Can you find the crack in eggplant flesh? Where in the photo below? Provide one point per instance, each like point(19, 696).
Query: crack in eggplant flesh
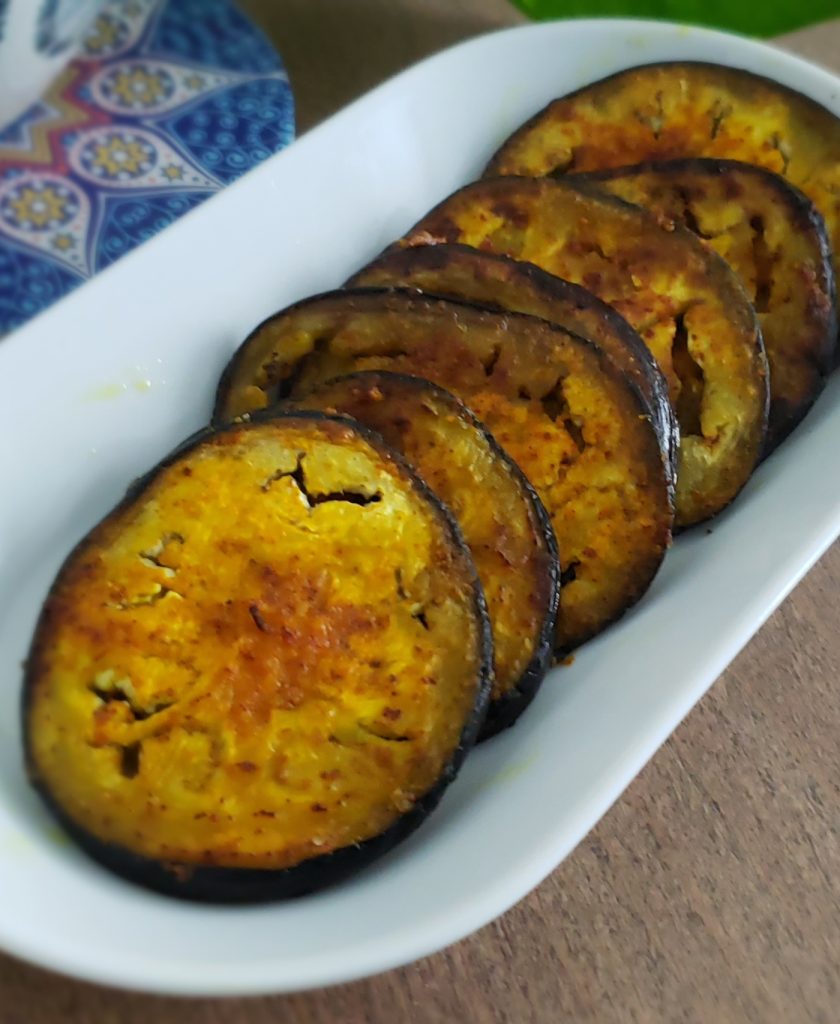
point(655, 122)
point(718, 114)
point(690, 399)
point(312, 499)
point(276, 386)
point(490, 364)
point(556, 407)
point(420, 616)
point(569, 574)
point(688, 216)
point(143, 600)
point(151, 557)
point(371, 731)
point(130, 760)
point(763, 261)
point(119, 693)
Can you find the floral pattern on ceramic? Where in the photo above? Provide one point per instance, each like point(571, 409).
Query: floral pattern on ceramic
point(168, 101)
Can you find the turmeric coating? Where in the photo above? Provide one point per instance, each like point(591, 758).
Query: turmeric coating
point(685, 109)
point(571, 420)
point(271, 652)
point(775, 241)
point(460, 272)
point(502, 520)
point(686, 304)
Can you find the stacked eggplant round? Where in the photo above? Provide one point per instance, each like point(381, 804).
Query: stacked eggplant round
point(261, 670)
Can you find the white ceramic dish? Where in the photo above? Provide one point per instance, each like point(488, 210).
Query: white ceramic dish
point(102, 385)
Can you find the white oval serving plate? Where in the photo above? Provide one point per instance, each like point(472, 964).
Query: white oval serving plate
point(99, 387)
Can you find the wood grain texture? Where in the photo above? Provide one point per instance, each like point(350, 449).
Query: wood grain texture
point(711, 891)
point(335, 50)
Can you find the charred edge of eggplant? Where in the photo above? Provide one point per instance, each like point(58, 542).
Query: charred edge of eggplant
point(610, 368)
point(804, 215)
point(653, 386)
point(662, 413)
point(491, 170)
point(666, 456)
point(665, 446)
point(505, 710)
point(219, 418)
point(250, 885)
point(253, 885)
point(810, 219)
point(813, 220)
point(718, 269)
point(680, 528)
point(801, 209)
point(668, 442)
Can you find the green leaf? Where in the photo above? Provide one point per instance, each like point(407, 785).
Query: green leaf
point(752, 17)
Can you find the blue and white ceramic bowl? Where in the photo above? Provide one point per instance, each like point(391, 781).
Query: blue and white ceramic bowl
point(37, 38)
point(165, 102)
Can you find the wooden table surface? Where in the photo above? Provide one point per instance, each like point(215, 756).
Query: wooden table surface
point(711, 891)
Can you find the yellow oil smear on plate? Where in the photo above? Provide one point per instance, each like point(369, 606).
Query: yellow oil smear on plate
point(139, 381)
point(16, 843)
point(105, 392)
point(509, 772)
point(19, 844)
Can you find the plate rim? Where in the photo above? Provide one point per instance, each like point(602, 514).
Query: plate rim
point(144, 974)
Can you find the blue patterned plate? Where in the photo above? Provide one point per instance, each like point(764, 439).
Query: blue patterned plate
point(169, 101)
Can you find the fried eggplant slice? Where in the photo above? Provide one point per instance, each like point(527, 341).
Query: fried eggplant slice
point(775, 240)
point(502, 520)
point(574, 423)
point(687, 109)
point(685, 302)
point(263, 668)
point(460, 272)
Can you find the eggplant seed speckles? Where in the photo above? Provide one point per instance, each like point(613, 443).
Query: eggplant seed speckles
point(259, 621)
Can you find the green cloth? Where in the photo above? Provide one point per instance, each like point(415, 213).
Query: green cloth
point(752, 17)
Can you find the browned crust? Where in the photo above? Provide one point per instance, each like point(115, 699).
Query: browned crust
point(682, 298)
point(679, 109)
point(814, 115)
point(460, 272)
point(502, 518)
point(508, 368)
point(205, 879)
point(751, 216)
